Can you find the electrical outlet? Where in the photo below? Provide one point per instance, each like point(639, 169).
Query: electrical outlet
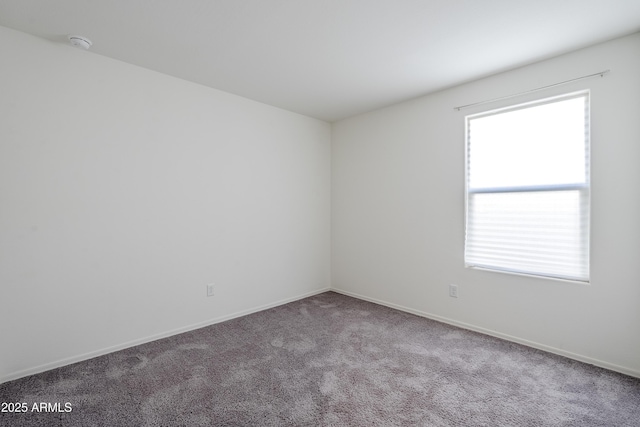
point(210, 290)
point(453, 291)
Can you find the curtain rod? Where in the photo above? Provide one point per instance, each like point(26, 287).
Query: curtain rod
point(601, 74)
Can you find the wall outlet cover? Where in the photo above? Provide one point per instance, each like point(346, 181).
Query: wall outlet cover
point(453, 291)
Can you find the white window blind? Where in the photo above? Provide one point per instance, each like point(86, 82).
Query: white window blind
point(528, 188)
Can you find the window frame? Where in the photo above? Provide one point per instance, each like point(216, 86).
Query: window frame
point(584, 189)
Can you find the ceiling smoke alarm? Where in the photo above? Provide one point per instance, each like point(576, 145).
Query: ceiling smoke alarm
point(79, 41)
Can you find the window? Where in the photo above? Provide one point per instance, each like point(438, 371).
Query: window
point(528, 188)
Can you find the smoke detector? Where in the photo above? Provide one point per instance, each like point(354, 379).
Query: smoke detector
point(79, 41)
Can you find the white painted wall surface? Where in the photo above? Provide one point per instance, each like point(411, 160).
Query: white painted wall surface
point(398, 213)
point(123, 192)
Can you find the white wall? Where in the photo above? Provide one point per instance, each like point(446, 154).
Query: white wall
point(398, 213)
point(123, 192)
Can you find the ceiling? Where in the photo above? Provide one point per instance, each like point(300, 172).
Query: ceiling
point(328, 59)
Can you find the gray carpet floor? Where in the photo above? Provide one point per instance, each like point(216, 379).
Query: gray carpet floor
point(328, 360)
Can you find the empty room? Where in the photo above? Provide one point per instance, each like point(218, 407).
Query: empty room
point(320, 213)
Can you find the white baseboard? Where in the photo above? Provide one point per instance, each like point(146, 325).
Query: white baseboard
point(133, 343)
point(543, 347)
point(107, 350)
